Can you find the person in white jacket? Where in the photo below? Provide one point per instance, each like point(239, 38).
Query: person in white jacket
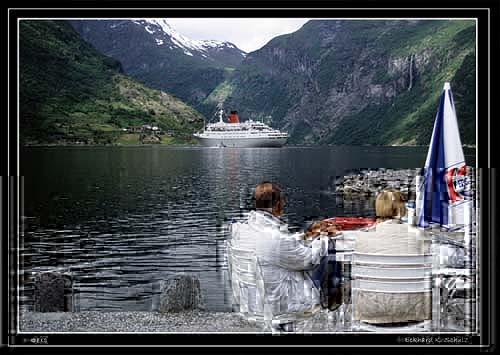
point(284, 258)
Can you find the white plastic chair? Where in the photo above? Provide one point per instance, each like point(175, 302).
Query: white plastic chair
point(248, 291)
point(388, 275)
point(457, 299)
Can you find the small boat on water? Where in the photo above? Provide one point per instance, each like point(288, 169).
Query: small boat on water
point(248, 134)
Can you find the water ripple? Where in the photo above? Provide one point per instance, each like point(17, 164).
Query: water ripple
point(123, 219)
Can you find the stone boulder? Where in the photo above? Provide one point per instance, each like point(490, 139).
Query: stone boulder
point(53, 292)
point(180, 292)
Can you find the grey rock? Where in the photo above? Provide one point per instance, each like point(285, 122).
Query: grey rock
point(371, 182)
point(53, 292)
point(180, 292)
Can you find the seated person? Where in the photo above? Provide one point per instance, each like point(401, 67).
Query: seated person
point(390, 206)
point(284, 257)
point(388, 238)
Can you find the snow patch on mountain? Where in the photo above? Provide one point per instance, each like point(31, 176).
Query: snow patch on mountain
point(188, 45)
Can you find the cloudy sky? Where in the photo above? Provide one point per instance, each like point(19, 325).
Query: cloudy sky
point(248, 34)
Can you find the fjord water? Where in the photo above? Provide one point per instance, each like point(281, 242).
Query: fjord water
point(121, 219)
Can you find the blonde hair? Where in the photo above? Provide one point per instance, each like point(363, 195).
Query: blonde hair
point(390, 203)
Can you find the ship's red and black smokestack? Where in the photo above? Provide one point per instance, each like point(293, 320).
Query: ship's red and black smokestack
point(233, 117)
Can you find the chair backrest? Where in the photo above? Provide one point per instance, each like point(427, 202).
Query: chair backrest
point(391, 276)
point(248, 284)
point(248, 289)
point(246, 281)
point(392, 284)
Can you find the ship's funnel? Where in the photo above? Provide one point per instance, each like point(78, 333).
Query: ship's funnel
point(233, 117)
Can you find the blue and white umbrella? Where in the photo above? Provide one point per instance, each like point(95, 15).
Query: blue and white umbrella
point(444, 194)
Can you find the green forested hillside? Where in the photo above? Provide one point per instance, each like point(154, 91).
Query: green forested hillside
point(155, 54)
point(71, 93)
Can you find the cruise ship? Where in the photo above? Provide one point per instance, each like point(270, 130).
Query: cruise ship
point(248, 134)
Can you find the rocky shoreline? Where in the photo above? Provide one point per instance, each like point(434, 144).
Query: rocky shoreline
point(369, 182)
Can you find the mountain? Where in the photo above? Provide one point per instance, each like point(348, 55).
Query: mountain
point(69, 92)
point(374, 82)
point(152, 52)
point(358, 82)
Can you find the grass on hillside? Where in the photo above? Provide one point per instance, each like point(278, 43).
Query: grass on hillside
point(70, 93)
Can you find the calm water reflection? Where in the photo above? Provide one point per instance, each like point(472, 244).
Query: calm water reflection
point(122, 218)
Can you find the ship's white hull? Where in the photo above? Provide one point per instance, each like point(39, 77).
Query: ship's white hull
point(242, 142)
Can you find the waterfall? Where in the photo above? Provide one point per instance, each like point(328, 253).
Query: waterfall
point(411, 72)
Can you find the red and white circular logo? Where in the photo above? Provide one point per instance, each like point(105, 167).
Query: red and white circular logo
point(458, 184)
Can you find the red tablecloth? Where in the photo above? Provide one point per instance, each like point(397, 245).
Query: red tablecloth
point(351, 223)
